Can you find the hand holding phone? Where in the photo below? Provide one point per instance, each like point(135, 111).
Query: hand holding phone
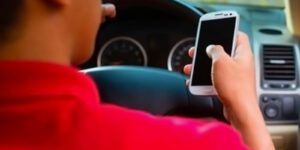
point(234, 79)
point(218, 28)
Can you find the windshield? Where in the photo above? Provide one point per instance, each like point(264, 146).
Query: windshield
point(262, 3)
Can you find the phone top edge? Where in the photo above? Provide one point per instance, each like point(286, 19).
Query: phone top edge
point(222, 12)
point(219, 15)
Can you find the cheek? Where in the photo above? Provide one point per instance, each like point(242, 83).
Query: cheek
point(92, 24)
point(93, 17)
point(88, 32)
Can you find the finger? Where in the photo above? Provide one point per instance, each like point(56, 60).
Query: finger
point(187, 69)
point(243, 49)
point(109, 10)
point(192, 52)
point(216, 52)
point(241, 37)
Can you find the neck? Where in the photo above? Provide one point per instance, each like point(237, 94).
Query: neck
point(34, 51)
point(42, 47)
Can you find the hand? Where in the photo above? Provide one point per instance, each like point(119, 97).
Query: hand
point(233, 78)
point(108, 10)
point(234, 81)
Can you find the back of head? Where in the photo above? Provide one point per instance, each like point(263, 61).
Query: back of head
point(57, 31)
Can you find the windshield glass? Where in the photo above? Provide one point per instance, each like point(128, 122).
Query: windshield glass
point(262, 3)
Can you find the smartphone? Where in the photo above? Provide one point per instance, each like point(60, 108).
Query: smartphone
point(217, 28)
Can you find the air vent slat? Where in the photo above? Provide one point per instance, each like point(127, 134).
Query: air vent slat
point(290, 62)
point(277, 53)
point(282, 77)
point(279, 72)
point(277, 47)
point(279, 63)
point(278, 57)
point(277, 67)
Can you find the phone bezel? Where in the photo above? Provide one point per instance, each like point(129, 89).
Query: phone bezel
point(210, 90)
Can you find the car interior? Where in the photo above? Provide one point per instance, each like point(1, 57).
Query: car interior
point(139, 58)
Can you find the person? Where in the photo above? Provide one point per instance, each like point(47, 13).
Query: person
point(45, 103)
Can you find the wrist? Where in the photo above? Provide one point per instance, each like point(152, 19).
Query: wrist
point(248, 118)
point(245, 112)
point(250, 123)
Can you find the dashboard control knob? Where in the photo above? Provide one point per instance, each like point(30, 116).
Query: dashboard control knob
point(271, 111)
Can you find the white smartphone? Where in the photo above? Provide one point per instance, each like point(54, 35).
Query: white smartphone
point(217, 28)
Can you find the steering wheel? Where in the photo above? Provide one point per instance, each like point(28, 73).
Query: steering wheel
point(157, 91)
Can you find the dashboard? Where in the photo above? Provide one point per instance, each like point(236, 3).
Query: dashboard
point(160, 38)
point(152, 38)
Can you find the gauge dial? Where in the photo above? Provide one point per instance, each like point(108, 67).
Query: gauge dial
point(179, 57)
point(122, 51)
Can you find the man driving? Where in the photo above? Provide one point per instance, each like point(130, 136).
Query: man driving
point(45, 103)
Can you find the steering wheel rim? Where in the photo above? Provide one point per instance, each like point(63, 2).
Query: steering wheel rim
point(174, 101)
point(157, 91)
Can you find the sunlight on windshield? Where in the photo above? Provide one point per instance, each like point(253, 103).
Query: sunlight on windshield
point(264, 3)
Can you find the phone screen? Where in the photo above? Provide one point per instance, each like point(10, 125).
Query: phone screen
point(217, 32)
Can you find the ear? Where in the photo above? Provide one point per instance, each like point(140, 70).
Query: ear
point(57, 3)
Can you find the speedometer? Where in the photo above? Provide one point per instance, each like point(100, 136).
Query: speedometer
point(122, 51)
point(179, 57)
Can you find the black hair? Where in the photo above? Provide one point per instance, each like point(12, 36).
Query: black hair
point(10, 11)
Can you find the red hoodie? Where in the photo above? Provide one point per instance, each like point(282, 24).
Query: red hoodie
point(48, 106)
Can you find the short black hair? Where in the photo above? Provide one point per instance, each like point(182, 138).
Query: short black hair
point(10, 11)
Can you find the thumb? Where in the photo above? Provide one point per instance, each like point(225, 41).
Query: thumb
point(215, 52)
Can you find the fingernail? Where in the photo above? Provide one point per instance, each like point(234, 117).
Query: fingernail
point(109, 5)
point(209, 50)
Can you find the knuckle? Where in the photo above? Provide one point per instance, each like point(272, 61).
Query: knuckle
point(221, 61)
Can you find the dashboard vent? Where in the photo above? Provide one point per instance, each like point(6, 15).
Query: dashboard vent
point(279, 63)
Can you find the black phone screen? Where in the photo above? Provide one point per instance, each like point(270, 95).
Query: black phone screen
point(217, 32)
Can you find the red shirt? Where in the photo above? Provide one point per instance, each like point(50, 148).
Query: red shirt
point(48, 106)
